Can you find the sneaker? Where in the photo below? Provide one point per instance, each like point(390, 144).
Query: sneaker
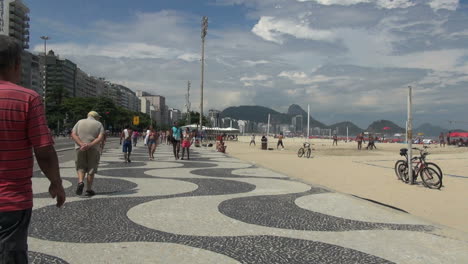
point(129, 161)
point(90, 193)
point(79, 189)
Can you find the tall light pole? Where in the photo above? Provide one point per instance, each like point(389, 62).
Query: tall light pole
point(45, 38)
point(203, 35)
point(188, 103)
point(409, 133)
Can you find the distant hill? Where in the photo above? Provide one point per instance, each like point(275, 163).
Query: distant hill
point(255, 113)
point(378, 127)
point(430, 130)
point(353, 130)
point(295, 110)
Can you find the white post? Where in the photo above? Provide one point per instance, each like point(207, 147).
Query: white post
point(347, 134)
point(230, 123)
point(308, 121)
point(268, 126)
point(409, 135)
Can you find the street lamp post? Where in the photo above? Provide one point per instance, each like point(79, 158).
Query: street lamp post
point(45, 38)
point(203, 35)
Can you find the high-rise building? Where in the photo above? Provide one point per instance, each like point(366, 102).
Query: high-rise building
point(297, 124)
point(174, 115)
point(30, 72)
point(14, 21)
point(61, 75)
point(159, 110)
point(214, 117)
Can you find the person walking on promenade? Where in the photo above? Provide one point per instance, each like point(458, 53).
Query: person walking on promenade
point(176, 137)
point(441, 139)
point(126, 142)
point(186, 143)
point(448, 138)
point(359, 140)
point(24, 129)
point(148, 131)
point(280, 141)
point(335, 140)
point(87, 134)
point(151, 142)
point(252, 140)
point(135, 136)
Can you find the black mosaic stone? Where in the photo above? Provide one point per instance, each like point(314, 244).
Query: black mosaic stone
point(227, 173)
point(280, 211)
point(122, 164)
point(101, 186)
point(40, 258)
point(105, 221)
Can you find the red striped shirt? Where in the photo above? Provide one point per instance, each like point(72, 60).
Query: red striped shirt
point(23, 125)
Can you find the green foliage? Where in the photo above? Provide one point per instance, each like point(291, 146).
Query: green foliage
point(113, 117)
point(194, 119)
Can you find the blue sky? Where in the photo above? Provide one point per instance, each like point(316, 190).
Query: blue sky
point(349, 59)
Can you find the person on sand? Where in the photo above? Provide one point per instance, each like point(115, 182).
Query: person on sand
point(441, 139)
point(371, 144)
point(280, 141)
point(252, 140)
point(359, 140)
point(335, 140)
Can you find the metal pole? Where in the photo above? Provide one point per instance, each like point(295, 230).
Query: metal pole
point(45, 38)
point(347, 134)
point(410, 135)
point(203, 35)
point(308, 121)
point(268, 126)
point(189, 121)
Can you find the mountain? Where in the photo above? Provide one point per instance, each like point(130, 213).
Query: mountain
point(295, 110)
point(378, 127)
point(430, 130)
point(255, 113)
point(352, 128)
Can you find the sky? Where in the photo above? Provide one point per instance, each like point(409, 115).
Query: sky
point(349, 59)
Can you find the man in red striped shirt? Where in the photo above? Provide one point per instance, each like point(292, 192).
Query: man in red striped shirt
point(23, 127)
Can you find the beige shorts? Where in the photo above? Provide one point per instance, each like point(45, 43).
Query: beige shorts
point(87, 161)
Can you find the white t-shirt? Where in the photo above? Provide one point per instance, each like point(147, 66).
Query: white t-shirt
point(126, 133)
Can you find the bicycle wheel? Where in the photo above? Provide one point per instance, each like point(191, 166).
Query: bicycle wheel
point(431, 178)
point(435, 167)
point(403, 172)
point(396, 168)
point(300, 153)
point(308, 153)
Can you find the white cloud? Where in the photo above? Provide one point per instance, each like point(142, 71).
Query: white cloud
point(391, 4)
point(273, 29)
point(255, 63)
point(302, 78)
point(259, 79)
point(190, 57)
point(444, 4)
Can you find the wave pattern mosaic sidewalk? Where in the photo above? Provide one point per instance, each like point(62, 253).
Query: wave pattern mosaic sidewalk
point(217, 209)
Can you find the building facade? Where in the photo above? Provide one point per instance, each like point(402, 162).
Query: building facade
point(14, 21)
point(214, 117)
point(158, 108)
point(297, 124)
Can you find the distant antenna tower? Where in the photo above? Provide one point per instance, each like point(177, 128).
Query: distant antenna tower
point(187, 103)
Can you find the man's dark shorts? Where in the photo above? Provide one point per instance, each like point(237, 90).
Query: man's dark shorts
point(13, 236)
point(127, 146)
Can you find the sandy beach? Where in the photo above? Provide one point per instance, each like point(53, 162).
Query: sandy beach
point(370, 174)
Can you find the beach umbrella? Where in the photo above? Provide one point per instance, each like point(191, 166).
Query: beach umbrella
point(387, 128)
point(420, 134)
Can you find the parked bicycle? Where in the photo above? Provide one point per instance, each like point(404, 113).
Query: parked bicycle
point(430, 173)
point(305, 150)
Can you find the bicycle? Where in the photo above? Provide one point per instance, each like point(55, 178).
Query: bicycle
point(430, 173)
point(305, 149)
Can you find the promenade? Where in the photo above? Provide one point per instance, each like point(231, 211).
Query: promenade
point(218, 209)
